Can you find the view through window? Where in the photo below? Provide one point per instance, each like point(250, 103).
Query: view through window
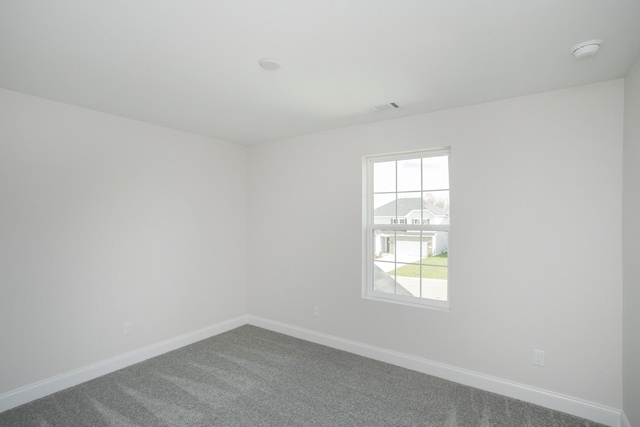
point(408, 228)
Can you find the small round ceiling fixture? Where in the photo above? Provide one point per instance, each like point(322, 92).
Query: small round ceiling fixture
point(586, 49)
point(270, 64)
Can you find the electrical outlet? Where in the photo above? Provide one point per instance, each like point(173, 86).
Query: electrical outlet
point(127, 328)
point(538, 357)
point(316, 311)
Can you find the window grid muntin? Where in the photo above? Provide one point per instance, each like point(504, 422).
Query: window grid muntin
point(372, 227)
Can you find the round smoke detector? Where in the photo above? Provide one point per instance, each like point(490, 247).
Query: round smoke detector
point(586, 49)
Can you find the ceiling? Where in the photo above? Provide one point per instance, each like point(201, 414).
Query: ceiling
point(193, 64)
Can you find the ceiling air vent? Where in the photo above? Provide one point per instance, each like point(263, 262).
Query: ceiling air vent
point(386, 107)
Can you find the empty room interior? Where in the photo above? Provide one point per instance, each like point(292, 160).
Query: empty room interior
point(173, 171)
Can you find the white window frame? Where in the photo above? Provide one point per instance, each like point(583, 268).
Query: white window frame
point(368, 228)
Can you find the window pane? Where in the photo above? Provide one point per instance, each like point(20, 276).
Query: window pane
point(382, 282)
point(384, 278)
point(409, 246)
point(434, 282)
point(384, 177)
point(384, 208)
point(437, 248)
point(434, 271)
point(384, 246)
point(436, 207)
point(398, 281)
point(389, 210)
point(411, 263)
point(409, 207)
point(409, 178)
point(435, 173)
point(408, 279)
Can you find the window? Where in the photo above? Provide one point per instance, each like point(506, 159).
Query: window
point(406, 230)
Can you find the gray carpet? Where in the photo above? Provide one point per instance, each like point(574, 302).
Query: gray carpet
point(254, 377)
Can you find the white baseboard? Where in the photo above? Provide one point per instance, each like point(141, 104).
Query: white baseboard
point(43, 388)
point(625, 420)
point(592, 411)
point(574, 406)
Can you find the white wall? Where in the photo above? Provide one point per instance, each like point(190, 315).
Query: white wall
point(524, 172)
point(631, 246)
point(105, 220)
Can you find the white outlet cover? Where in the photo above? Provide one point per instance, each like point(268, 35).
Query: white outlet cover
point(538, 357)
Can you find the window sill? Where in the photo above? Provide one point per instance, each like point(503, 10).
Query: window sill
point(411, 302)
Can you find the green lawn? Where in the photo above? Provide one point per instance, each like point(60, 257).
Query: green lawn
point(431, 270)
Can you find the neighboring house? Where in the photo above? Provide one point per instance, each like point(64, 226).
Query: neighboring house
point(406, 244)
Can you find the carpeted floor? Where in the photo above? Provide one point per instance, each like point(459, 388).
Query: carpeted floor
point(254, 377)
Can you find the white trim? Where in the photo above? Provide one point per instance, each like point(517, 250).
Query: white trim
point(40, 389)
point(406, 155)
point(411, 227)
point(433, 304)
point(624, 420)
point(559, 402)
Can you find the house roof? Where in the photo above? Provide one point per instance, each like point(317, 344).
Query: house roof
point(404, 206)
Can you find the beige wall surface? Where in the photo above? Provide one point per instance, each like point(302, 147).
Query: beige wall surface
point(106, 220)
point(535, 242)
